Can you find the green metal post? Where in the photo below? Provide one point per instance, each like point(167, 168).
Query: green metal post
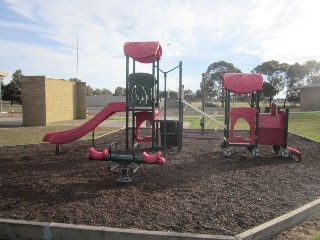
point(127, 101)
point(157, 83)
point(257, 116)
point(252, 100)
point(165, 114)
point(286, 128)
point(133, 129)
point(180, 108)
point(226, 116)
point(202, 122)
point(153, 103)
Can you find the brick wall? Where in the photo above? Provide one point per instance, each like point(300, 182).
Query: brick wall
point(81, 100)
point(33, 99)
point(47, 100)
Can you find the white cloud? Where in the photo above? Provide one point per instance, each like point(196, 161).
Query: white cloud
point(240, 30)
point(26, 9)
point(285, 31)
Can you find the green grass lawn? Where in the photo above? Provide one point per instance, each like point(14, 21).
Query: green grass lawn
point(31, 135)
point(305, 124)
point(316, 237)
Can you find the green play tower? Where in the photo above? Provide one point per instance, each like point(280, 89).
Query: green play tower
point(143, 96)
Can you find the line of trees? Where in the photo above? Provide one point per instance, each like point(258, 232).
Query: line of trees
point(278, 77)
point(119, 91)
point(12, 91)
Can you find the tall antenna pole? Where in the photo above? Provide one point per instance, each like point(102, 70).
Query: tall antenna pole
point(77, 59)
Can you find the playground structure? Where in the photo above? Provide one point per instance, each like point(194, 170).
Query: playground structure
point(143, 97)
point(142, 102)
point(265, 129)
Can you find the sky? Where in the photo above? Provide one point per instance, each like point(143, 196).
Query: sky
point(40, 37)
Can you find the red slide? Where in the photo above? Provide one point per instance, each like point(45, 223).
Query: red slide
point(78, 132)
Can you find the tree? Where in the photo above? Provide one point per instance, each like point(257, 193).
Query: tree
point(17, 77)
point(170, 94)
point(214, 77)
point(105, 91)
point(119, 91)
point(11, 92)
point(294, 96)
point(268, 91)
point(274, 74)
point(96, 92)
point(89, 90)
point(189, 95)
point(312, 76)
point(2, 89)
point(198, 95)
point(295, 75)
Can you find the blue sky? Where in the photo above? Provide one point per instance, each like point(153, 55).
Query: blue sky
point(40, 37)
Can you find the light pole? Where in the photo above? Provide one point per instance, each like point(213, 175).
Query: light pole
point(2, 75)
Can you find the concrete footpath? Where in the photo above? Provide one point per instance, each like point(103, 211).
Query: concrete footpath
point(7, 120)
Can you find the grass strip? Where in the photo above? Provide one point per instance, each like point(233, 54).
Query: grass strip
point(32, 135)
point(306, 124)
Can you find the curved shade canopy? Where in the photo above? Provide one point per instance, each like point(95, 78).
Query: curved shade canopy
point(241, 83)
point(143, 52)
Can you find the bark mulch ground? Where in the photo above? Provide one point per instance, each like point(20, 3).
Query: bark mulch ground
point(197, 191)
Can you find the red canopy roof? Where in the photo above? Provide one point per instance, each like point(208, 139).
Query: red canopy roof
point(143, 51)
point(242, 82)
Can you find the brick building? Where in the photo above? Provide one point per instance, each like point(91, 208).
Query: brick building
point(47, 100)
point(309, 97)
